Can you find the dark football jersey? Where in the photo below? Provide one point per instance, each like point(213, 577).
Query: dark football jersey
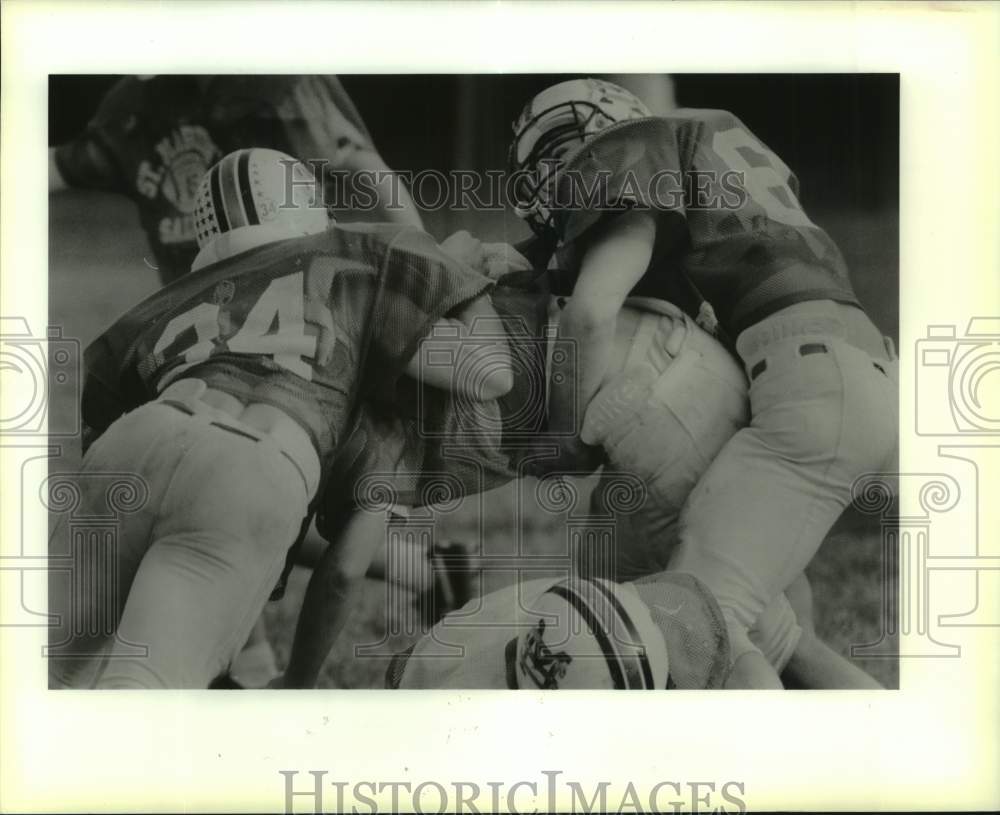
point(728, 215)
point(307, 324)
point(153, 140)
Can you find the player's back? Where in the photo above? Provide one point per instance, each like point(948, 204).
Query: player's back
point(424, 439)
point(304, 324)
point(727, 209)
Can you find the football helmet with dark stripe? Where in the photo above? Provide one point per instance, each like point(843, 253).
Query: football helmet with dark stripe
point(258, 189)
point(552, 126)
point(593, 634)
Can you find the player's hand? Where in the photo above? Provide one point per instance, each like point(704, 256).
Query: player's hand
point(278, 683)
point(493, 260)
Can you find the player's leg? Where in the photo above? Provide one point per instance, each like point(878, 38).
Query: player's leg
point(333, 593)
point(814, 664)
point(254, 666)
point(232, 509)
point(676, 399)
point(88, 597)
point(824, 412)
point(338, 579)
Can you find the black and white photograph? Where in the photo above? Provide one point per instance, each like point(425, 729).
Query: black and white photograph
point(365, 373)
point(573, 380)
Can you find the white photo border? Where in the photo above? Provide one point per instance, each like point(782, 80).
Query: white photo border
point(931, 745)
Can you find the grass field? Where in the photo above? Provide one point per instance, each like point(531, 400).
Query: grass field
point(97, 271)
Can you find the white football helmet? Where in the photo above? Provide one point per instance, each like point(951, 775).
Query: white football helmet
point(554, 124)
point(589, 634)
point(255, 196)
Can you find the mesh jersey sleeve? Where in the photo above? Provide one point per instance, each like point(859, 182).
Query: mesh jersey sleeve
point(84, 162)
point(111, 387)
point(630, 165)
point(693, 629)
point(419, 285)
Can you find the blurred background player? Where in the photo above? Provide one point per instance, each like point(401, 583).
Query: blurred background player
point(230, 393)
point(747, 259)
point(153, 138)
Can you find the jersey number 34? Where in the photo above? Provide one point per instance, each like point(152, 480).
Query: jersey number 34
point(274, 327)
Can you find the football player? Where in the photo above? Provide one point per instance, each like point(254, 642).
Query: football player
point(229, 393)
point(575, 633)
point(662, 632)
point(154, 137)
point(693, 208)
point(695, 397)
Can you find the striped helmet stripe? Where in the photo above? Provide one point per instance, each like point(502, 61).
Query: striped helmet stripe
point(590, 618)
point(230, 190)
point(633, 635)
point(243, 182)
point(217, 204)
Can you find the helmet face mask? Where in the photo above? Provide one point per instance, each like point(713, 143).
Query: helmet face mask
point(552, 126)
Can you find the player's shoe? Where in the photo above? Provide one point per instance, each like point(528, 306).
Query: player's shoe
point(254, 666)
point(225, 681)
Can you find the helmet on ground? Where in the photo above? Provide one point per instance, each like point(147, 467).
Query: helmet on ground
point(590, 634)
point(255, 196)
point(553, 125)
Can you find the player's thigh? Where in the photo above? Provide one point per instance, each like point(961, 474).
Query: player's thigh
point(91, 571)
point(832, 415)
point(768, 500)
point(871, 413)
point(220, 542)
point(189, 612)
point(663, 419)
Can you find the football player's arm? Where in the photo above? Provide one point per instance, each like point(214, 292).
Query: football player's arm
point(466, 353)
point(106, 394)
point(100, 406)
point(613, 262)
point(393, 201)
point(785, 635)
point(332, 594)
point(492, 260)
point(84, 163)
point(814, 664)
point(321, 121)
